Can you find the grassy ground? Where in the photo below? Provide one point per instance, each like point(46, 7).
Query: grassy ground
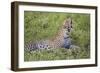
point(57, 54)
point(44, 25)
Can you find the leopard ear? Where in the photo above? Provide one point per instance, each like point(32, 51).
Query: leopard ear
point(64, 24)
point(70, 20)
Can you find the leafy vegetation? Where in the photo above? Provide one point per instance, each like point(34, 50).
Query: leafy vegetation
point(45, 25)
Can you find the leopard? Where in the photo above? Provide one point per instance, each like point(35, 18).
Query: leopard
point(61, 39)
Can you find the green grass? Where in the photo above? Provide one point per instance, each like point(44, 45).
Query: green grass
point(57, 54)
point(45, 25)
